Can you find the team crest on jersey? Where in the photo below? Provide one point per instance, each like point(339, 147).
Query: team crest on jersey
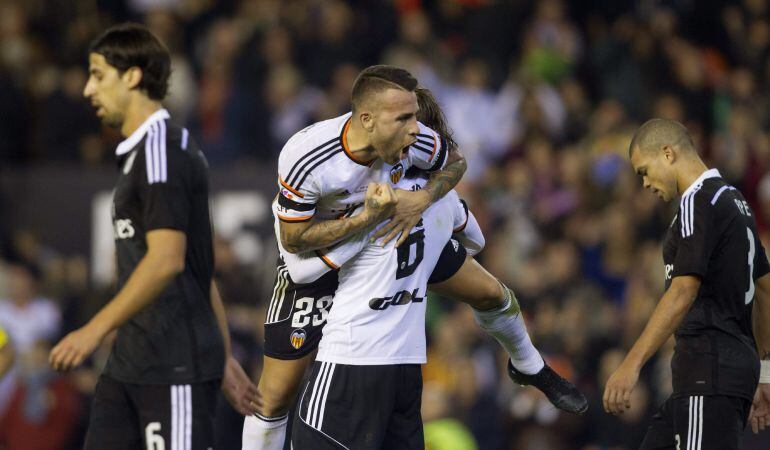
point(396, 172)
point(286, 194)
point(297, 338)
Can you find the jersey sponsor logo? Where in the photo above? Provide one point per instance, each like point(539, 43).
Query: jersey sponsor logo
point(124, 229)
point(396, 172)
point(400, 298)
point(297, 338)
point(669, 270)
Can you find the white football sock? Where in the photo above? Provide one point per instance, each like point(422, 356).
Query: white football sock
point(264, 433)
point(507, 326)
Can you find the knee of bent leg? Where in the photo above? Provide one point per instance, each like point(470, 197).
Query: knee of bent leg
point(490, 295)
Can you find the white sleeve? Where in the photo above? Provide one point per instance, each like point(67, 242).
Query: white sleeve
point(429, 152)
point(309, 266)
point(298, 190)
point(466, 227)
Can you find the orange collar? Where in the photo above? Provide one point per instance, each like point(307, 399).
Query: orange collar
point(344, 140)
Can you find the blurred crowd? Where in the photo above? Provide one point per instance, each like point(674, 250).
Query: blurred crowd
point(542, 98)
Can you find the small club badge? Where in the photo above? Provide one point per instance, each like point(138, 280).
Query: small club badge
point(297, 338)
point(396, 172)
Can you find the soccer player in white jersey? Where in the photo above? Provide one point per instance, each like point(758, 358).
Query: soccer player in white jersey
point(495, 308)
point(366, 384)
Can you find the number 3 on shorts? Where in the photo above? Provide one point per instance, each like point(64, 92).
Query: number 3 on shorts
point(154, 441)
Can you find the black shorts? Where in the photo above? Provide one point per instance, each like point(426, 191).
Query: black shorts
point(297, 312)
point(153, 416)
point(360, 407)
point(698, 422)
point(449, 262)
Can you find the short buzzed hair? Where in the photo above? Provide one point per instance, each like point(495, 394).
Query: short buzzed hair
point(375, 79)
point(656, 133)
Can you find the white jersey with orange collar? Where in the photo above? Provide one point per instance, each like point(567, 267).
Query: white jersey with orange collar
point(319, 177)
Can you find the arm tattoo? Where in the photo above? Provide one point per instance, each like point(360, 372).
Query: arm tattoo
point(320, 234)
point(445, 180)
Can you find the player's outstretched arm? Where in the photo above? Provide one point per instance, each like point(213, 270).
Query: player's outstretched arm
point(297, 237)
point(667, 316)
point(411, 205)
point(759, 417)
point(164, 260)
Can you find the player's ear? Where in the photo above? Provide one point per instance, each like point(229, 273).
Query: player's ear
point(367, 120)
point(132, 77)
point(669, 154)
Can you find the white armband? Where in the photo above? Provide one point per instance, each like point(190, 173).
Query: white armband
point(764, 372)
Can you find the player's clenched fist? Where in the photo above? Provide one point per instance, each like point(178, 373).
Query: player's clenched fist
point(380, 201)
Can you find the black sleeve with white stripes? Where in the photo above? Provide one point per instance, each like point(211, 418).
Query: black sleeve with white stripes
point(165, 184)
point(698, 235)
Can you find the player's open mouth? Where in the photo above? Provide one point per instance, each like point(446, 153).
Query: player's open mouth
point(405, 150)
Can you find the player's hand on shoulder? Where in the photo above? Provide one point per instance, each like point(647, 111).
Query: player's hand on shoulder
point(759, 417)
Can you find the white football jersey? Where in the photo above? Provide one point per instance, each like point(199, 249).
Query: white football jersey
point(319, 177)
point(378, 312)
point(305, 268)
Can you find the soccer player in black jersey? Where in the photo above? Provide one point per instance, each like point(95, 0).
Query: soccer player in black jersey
point(714, 266)
point(171, 352)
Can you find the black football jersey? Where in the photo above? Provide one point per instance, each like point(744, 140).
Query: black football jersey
point(163, 184)
point(714, 238)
